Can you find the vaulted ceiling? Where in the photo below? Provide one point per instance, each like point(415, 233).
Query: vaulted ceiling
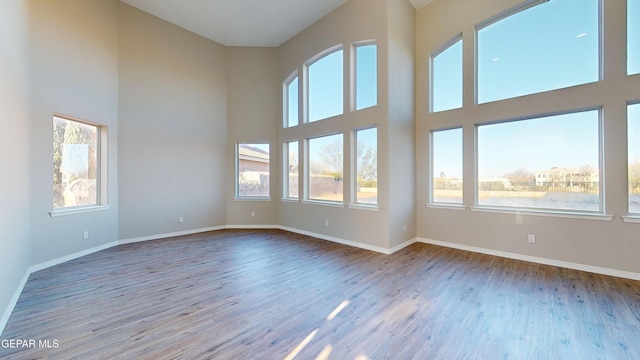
point(244, 22)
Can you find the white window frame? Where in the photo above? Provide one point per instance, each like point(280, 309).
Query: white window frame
point(432, 57)
point(286, 146)
point(237, 196)
point(285, 100)
point(431, 200)
point(307, 65)
point(307, 172)
point(354, 170)
point(354, 73)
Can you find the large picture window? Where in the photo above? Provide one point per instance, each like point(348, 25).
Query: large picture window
point(325, 175)
point(252, 163)
point(366, 76)
point(367, 166)
point(446, 166)
point(76, 163)
point(325, 95)
point(549, 46)
point(550, 162)
point(633, 116)
point(446, 77)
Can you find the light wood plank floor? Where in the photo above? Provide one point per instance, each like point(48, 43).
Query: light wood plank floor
point(245, 294)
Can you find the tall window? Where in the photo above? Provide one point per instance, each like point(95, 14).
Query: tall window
point(366, 76)
point(367, 166)
point(446, 77)
point(633, 116)
point(446, 170)
point(633, 37)
point(549, 46)
point(252, 163)
point(76, 163)
point(291, 102)
point(325, 173)
point(325, 96)
point(291, 170)
point(548, 162)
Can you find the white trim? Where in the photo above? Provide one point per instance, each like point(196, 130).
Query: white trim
point(13, 302)
point(547, 213)
point(266, 227)
point(252, 198)
point(403, 245)
point(446, 206)
point(78, 210)
point(60, 260)
point(337, 204)
point(364, 207)
point(631, 219)
point(168, 235)
point(337, 240)
point(537, 260)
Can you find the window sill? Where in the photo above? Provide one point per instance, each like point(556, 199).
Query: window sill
point(446, 206)
point(324, 203)
point(290, 200)
point(78, 210)
point(547, 213)
point(364, 207)
point(254, 198)
point(631, 219)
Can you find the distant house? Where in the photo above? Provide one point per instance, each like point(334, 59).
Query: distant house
point(252, 159)
point(568, 177)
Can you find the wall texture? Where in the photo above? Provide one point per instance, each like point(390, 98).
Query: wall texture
point(610, 244)
point(15, 148)
point(173, 148)
point(74, 72)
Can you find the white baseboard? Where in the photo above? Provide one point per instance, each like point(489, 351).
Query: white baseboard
point(168, 235)
point(60, 260)
point(403, 245)
point(12, 304)
point(269, 227)
point(337, 240)
point(538, 260)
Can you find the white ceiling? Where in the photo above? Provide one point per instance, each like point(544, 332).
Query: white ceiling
point(244, 22)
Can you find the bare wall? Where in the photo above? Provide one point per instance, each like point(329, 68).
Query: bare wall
point(173, 128)
point(14, 151)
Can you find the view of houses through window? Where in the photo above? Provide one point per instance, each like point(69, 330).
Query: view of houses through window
point(253, 170)
point(446, 166)
point(75, 163)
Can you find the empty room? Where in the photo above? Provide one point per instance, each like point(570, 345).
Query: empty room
point(335, 179)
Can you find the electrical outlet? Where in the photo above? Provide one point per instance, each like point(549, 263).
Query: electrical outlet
point(181, 219)
point(405, 227)
point(531, 238)
point(326, 223)
point(85, 235)
point(253, 214)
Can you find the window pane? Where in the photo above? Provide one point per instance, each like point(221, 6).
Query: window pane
point(549, 46)
point(325, 87)
point(253, 170)
point(446, 160)
point(633, 115)
point(549, 163)
point(367, 166)
point(633, 37)
point(292, 103)
point(366, 76)
point(291, 190)
point(446, 85)
point(75, 163)
point(325, 168)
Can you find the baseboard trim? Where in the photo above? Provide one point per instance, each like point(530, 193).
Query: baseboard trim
point(60, 260)
point(13, 302)
point(168, 235)
point(403, 245)
point(337, 240)
point(538, 260)
point(266, 227)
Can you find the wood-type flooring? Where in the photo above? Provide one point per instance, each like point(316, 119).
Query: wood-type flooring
point(271, 294)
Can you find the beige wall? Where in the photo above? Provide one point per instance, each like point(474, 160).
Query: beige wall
point(611, 244)
point(252, 106)
point(173, 128)
point(74, 71)
point(15, 143)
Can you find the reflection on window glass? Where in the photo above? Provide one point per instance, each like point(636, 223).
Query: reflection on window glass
point(446, 160)
point(366, 76)
point(326, 168)
point(367, 166)
point(291, 174)
point(549, 46)
point(446, 84)
point(75, 163)
point(325, 87)
point(253, 170)
point(546, 163)
point(633, 115)
point(633, 37)
point(292, 103)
